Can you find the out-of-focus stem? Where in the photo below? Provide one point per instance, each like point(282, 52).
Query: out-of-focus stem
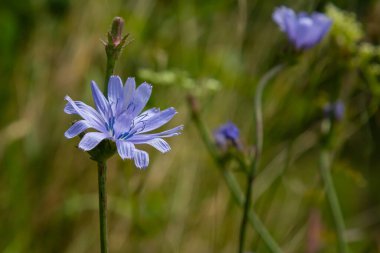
point(259, 112)
point(333, 200)
point(259, 146)
point(253, 219)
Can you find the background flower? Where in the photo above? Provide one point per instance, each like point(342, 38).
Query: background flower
point(227, 134)
point(303, 30)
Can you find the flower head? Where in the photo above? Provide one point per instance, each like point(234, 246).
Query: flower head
point(303, 30)
point(120, 119)
point(226, 135)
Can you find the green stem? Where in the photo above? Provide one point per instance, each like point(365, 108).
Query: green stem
point(105, 150)
point(258, 111)
point(102, 177)
point(253, 219)
point(259, 147)
point(111, 60)
point(333, 200)
point(246, 210)
point(233, 185)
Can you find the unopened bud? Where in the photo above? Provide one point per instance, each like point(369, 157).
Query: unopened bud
point(116, 31)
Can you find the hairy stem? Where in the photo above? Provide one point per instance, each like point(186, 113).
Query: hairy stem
point(111, 60)
point(102, 178)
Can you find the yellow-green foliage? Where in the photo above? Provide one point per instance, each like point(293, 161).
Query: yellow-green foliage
point(180, 78)
point(346, 29)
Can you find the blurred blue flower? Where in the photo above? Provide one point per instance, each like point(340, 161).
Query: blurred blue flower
point(118, 119)
point(303, 30)
point(334, 111)
point(226, 135)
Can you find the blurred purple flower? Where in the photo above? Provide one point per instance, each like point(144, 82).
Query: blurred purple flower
point(227, 134)
point(303, 30)
point(334, 111)
point(118, 119)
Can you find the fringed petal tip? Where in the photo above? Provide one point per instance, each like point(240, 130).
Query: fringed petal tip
point(141, 159)
point(125, 149)
point(148, 85)
point(159, 144)
point(180, 129)
point(173, 110)
point(77, 128)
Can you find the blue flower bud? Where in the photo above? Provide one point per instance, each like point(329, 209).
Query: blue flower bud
point(227, 135)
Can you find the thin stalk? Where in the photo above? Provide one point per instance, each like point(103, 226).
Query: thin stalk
point(102, 180)
point(259, 112)
point(333, 200)
point(111, 60)
point(246, 210)
point(233, 185)
point(253, 219)
point(113, 48)
point(259, 147)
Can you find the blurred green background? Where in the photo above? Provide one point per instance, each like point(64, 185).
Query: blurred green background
point(217, 50)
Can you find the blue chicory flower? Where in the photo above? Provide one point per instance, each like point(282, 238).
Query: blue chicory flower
point(303, 30)
point(119, 119)
point(227, 134)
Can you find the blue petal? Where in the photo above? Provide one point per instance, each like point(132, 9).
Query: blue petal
point(140, 98)
point(282, 15)
point(77, 128)
point(159, 119)
point(160, 144)
point(122, 123)
point(125, 149)
point(86, 112)
point(220, 139)
point(147, 114)
point(141, 159)
point(91, 140)
point(115, 89)
point(306, 33)
point(323, 23)
point(101, 102)
point(69, 109)
point(291, 25)
point(129, 90)
point(313, 31)
point(139, 138)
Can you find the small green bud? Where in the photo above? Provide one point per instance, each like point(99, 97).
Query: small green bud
point(116, 35)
